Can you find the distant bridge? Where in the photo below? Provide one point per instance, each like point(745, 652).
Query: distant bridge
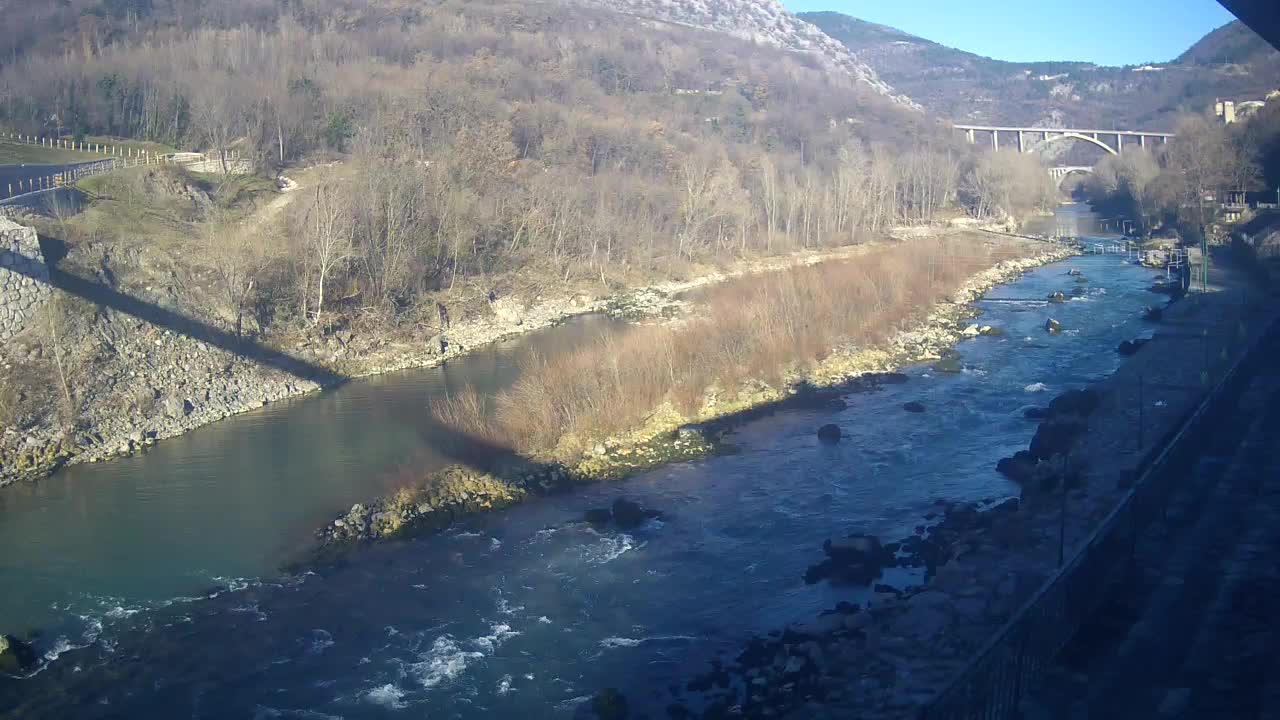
point(1048, 135)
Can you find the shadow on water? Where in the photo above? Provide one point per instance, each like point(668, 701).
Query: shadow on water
point(459, 447)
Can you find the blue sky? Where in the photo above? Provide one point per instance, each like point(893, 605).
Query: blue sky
point(1107, 32)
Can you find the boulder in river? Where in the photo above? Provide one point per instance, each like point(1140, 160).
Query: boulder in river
point(1035, 413)
point(1130, 347)
point(1055, 436)
point(1075, 272)
point(829, 434)
point(1080, 402)
point(989, 331)
point(913, 407)
point(16, 656)
point(971, 331)
point(598, 516)
point(1153, 314)
point(628, 514)
point(1021, 468)
point(948, 365)
point(1053, 327)
point(1057, 297)
point(855, 560)
point(609, 704)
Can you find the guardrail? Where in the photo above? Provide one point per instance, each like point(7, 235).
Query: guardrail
point(995, 680)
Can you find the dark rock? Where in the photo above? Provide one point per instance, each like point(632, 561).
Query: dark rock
point(1153, 314)
point(913, 407)
point(16, 656)
point(855, 560)
point(1077, 291)
point(1053, 327)
point(989, 331)
point(1130, 347)
point(829, 434)
point(598, 516)
point(1075, 272)
point(1081, 279)
point(1035, 413)
point(1075, 402)
point(1055, 436)
point(1056, 297)
point(609, 704)
point(892, 378)
point(628, 514)
point(1021, 468)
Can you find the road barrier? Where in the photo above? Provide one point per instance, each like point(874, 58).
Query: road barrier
point(120, 157)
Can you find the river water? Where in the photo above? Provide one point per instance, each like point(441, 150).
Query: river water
point(523, 612)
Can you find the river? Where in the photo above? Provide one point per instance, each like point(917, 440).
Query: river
point(153, 576)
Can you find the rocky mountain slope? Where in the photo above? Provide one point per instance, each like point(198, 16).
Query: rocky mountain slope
point(1231, 62)
point(762, 21)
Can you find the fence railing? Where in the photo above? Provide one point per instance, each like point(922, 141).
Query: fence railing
point(64, 178)
point(119, 157)
point(994, 682)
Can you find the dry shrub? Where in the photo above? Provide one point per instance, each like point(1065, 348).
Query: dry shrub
point(757, 328)
point(465, 412)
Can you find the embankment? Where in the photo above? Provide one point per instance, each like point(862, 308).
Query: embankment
point(144, 381)
point(856, 351)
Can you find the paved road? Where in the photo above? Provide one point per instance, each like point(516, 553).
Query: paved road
point(1196, 634)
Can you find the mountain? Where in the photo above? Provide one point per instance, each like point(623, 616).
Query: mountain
point(1231, 62)
point(765, 22)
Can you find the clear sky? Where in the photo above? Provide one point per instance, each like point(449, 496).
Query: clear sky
point(1107, 32)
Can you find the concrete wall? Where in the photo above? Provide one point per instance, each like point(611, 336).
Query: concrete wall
point(23, 277)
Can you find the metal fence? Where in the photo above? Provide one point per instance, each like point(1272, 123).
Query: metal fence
point(994, 682)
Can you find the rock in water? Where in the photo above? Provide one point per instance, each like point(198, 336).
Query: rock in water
point(1130, 347)
point(856, 560)
point(1035, 413)
point(1053, 327)
point(913, 407)
point(609, 704)
point(1057, 297)
point(1075, 272)
point(16, 656)
point(990, 331)
point(1021, 468)
point(1153, 314)
point(598, 516)
point(948, 365)
point(628, 514)
point(1055, 436)
point(829, 434)
point(1075, 402)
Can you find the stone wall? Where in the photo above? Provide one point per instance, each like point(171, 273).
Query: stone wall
point(23, 277)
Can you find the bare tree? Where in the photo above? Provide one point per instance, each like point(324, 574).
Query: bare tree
point(328, 228)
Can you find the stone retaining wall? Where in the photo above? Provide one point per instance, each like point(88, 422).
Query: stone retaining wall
point(23, 277)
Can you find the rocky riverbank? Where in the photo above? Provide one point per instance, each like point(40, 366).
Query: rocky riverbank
point(668, 436)
point(971, 566)
point(151, 383)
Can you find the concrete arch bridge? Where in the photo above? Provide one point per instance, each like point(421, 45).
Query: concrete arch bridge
point(1031, 139)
